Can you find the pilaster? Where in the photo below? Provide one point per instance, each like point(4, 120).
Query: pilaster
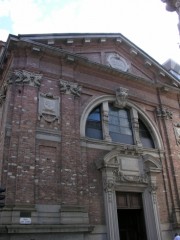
point(110, 204)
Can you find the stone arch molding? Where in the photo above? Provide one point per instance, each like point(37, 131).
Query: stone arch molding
point(110, 98)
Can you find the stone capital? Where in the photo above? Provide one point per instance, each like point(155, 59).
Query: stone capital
point(68, 87)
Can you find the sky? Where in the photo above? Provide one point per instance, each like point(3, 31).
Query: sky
point(146, 23)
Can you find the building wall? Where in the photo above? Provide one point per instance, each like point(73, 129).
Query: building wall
point(50, 169)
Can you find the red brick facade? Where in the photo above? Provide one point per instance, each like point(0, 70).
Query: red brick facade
point(62, 183)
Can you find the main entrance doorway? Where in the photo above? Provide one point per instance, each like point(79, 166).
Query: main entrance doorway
point(130, 216)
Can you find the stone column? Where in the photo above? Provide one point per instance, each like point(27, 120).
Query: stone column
point(135, 127)
point(153, 189)
point(151, 211)
point(110, 205)
point(105, 121)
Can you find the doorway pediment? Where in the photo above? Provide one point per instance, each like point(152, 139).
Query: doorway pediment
point(151, 163)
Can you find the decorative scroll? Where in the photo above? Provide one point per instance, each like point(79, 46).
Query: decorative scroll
point(177, 132)
point(121, 177)
point(25, 77)
point(70, 88)
point(121, 97)
point(3, 91)
point(48, 107)
point(164, 113)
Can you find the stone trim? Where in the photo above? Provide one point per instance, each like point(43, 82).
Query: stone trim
point(121, 97)
point(126, 173)
point(46, 228)
point(3, 91)
point(48, 137)
point(152, 164)
point(121, 177)
point(49, 107)
point(84, 61)
point(68, 87)
point(177, 133)
point(109, 98)
point(118, 62)
point(25, 77)
point(163, 112)
point(105, 121)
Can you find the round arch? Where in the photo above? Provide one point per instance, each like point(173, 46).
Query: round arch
point(109, 98)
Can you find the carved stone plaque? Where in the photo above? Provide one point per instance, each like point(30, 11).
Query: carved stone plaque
point(129, 164)
point(49, 107)
point(118, 62)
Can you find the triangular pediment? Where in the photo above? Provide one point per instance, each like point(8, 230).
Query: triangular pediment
point(112, 53)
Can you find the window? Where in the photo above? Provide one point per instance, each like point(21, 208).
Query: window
point(118, 126)
point(145, 135)
point(94, 125)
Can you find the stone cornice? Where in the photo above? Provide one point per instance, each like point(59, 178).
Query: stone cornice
point(83, 61)
point(45, 228)
point(45, 47)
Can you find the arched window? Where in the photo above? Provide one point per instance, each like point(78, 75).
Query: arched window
point(94, 124)
point(145, 136)
point(120, 129)
point(118, 126)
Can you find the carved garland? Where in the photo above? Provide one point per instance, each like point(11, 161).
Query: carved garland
point(25, 77)
point(164, 113)
point(121, 177)
point(68, 87)
point(3, 92)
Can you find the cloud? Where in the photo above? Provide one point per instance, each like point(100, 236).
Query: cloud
point(146, 23)
point(4, 9)
point(3, 34)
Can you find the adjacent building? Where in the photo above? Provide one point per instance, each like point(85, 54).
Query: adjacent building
point(89, 140)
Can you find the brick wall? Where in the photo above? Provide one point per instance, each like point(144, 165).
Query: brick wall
point(45, 162)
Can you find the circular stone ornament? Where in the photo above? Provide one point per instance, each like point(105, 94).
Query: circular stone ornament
point(116, 61)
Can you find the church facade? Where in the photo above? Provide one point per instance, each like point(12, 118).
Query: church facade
point(89, 140)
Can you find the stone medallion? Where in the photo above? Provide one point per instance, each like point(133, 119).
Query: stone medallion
point(116, 61)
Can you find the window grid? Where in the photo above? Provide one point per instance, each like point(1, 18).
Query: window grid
point(94, 124)
point(120, 128)
point(120, 125)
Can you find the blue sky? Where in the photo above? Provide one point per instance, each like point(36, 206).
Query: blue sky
point(144, 22)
